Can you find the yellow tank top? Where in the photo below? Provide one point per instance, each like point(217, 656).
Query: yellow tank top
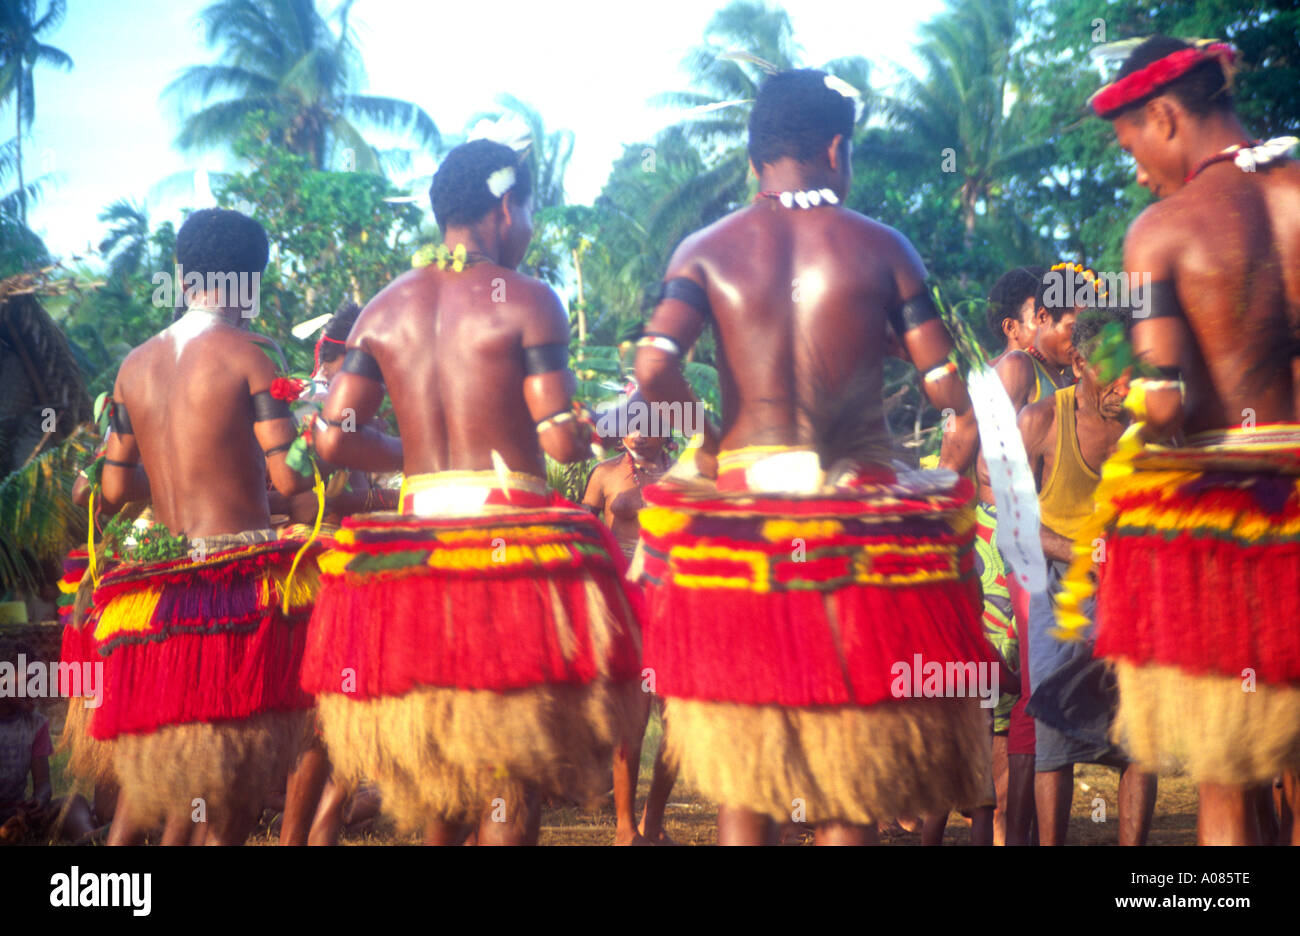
point(1066, 499)
point(1043, 382)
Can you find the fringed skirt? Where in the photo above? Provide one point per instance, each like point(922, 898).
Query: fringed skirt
point(1200, 607)
point(455, 659)
point(783, 632)
point(201, 697)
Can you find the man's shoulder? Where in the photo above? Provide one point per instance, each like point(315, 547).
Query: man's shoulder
point(1036, 418)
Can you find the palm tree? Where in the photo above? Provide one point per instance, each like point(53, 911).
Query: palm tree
point(21, 50)
point(742, 42)
point(281, 57)
point(126, 246)
point(960, 113)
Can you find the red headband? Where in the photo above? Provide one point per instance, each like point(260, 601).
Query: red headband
point(1134, 87)
point(320, 341)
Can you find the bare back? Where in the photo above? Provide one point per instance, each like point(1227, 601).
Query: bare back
point(800, 300)
point(450, 347)
point(187, 391)
point(1230, 242)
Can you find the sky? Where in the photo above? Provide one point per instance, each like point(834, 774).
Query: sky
point(104, 130)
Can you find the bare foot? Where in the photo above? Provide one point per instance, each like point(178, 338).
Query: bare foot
point(635, 838)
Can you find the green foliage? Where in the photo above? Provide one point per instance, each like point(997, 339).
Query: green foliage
point(283, 59)
point(335, 237)
point(38, 521)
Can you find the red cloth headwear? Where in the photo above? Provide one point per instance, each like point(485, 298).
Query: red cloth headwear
point(1119, 94)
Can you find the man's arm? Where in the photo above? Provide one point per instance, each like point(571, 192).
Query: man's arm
point(273, 425)
point(593, 498)
point(1016, 371)
point(548, 382)
point(347, 432)
point(928, 345)
point(1161, 337)
point(123, 479)
point(677, 323)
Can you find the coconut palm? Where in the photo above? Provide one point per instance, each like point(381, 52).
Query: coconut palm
point(126, 246)
point(962, 115)
point(743, 42)
point(281, 57)
point(21, 50)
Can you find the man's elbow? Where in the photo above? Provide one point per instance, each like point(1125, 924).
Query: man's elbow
point(329, 444)
point(654, 371)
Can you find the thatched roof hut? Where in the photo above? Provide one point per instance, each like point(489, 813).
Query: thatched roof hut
point(42, 394)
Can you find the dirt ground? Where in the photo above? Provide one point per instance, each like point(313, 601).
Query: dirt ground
point(692, 820)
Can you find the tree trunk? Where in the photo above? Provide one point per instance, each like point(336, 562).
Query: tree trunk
point(582, 302)
point(18, 142)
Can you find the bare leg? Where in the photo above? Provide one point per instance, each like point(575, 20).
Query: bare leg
point(443, 832)
point(932, 827)
point(235, 827)
point(981, 825)
point(1227, 815)
point(306, 781)
point(510, 820)
point(1021, 814)
point(739, 826)
point(627, 770)
point(1266, 815)
point(656, 801)
point(843, 833)
point(328, 822)
point(1291, 807)
point(178, 829)
point(1137, 804)
point(124, 830)
point(1001, 776)
point(77, 821)
point(1053, 792)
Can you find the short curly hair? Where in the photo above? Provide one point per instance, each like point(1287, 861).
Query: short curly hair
point(337, 329)
point(797, 115)
point(1009, 294)
point(460, 195)
point(221, 241)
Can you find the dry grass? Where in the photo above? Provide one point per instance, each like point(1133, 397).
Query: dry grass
point(692, 820)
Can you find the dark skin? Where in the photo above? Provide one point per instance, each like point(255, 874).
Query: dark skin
point(1052, 340)
point(614, 494)
point(453, 366)
point(772, 346)
point(1099, 419)
point(450, 348)
point(1229, 241)
point(1019, 333)
point(198, 456)
point(799, 299)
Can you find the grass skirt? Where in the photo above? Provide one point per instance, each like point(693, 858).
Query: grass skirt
point(455, 659)
point(775, 627)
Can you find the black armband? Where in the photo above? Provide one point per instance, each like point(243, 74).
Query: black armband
point(914, 312)
point(1161, 302)
point(267, 407)
point(1170, 373)
point(689, 292)
point(362, 364)
point(277, 449)
point(545, 358)
point(119, 420)
point(120, 464)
